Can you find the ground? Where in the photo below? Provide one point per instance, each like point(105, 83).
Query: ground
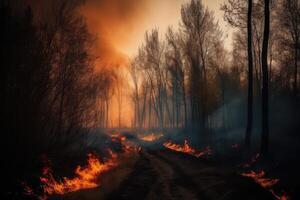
point(159, 173)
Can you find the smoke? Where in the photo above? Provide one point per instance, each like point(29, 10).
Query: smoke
point(120, 25)
point(113, 22)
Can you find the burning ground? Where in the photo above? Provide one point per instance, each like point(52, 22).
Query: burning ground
point(151, 166)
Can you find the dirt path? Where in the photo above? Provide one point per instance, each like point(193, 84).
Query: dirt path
point(165, 175)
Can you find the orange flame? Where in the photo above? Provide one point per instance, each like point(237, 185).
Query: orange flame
point(260, 179)
point(186, 148)
point(118, 136)
point(86, 177)
point(127, 146)
point(152, 137)
point(266, 183)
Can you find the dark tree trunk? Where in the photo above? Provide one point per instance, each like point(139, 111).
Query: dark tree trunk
point(265, 85)
point(296, 70)
point(250, 78)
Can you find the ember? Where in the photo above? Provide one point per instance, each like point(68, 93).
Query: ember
point(152, 137)
point(186, 148)
point(86, 177)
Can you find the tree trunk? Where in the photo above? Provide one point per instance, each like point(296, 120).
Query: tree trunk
point(295, 88)
point(265, 85)
point(250, 78)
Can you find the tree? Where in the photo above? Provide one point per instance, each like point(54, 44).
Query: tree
point(265, 83)
point(199, 29)
point(289, 19)
point(250, 77)
point(174, 60)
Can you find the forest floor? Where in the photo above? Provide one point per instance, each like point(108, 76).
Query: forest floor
point(160, 173)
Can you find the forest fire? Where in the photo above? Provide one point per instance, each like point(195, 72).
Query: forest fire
point(118, 136)
point(186, 148)
point(85, 177)
point(267, 183)
point(173, 99)
point(260, 179)
point(152, 137)
point(127, 146)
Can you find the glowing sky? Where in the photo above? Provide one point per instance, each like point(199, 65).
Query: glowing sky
point(120, 25)
point(163, 13)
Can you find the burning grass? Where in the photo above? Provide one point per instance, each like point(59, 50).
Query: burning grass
point(186, 148)
point(85, 177)
point(152, 137)
point(267, 183)
point(259, 177)
point(127, 146)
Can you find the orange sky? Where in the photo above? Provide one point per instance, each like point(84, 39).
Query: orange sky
point(120, 27)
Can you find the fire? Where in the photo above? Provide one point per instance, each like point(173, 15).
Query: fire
point(152, 137)
point(186, 148)
point(266, 183)
point(127, 146)
point(86, 177)
point(118, 136)
point(260, 179)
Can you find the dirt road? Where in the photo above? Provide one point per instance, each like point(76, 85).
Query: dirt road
point(163, 174)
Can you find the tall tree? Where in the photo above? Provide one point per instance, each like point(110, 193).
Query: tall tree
point(265, 83)
point(250, 77)
point(199, 29)
point(290, 20)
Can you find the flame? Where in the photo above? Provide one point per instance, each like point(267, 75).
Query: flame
point(118, 137)
point(266, 183)
point(186, 148)
point(127, 146)
point(152, 137)
point(86, 177)
point(260, 179)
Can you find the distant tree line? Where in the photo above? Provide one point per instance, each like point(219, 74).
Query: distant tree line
point(182, 79)
point(188, 79)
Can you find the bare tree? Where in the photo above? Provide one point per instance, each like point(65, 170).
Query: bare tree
point(289, 18)
point(265, 85)
point(250, 77)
